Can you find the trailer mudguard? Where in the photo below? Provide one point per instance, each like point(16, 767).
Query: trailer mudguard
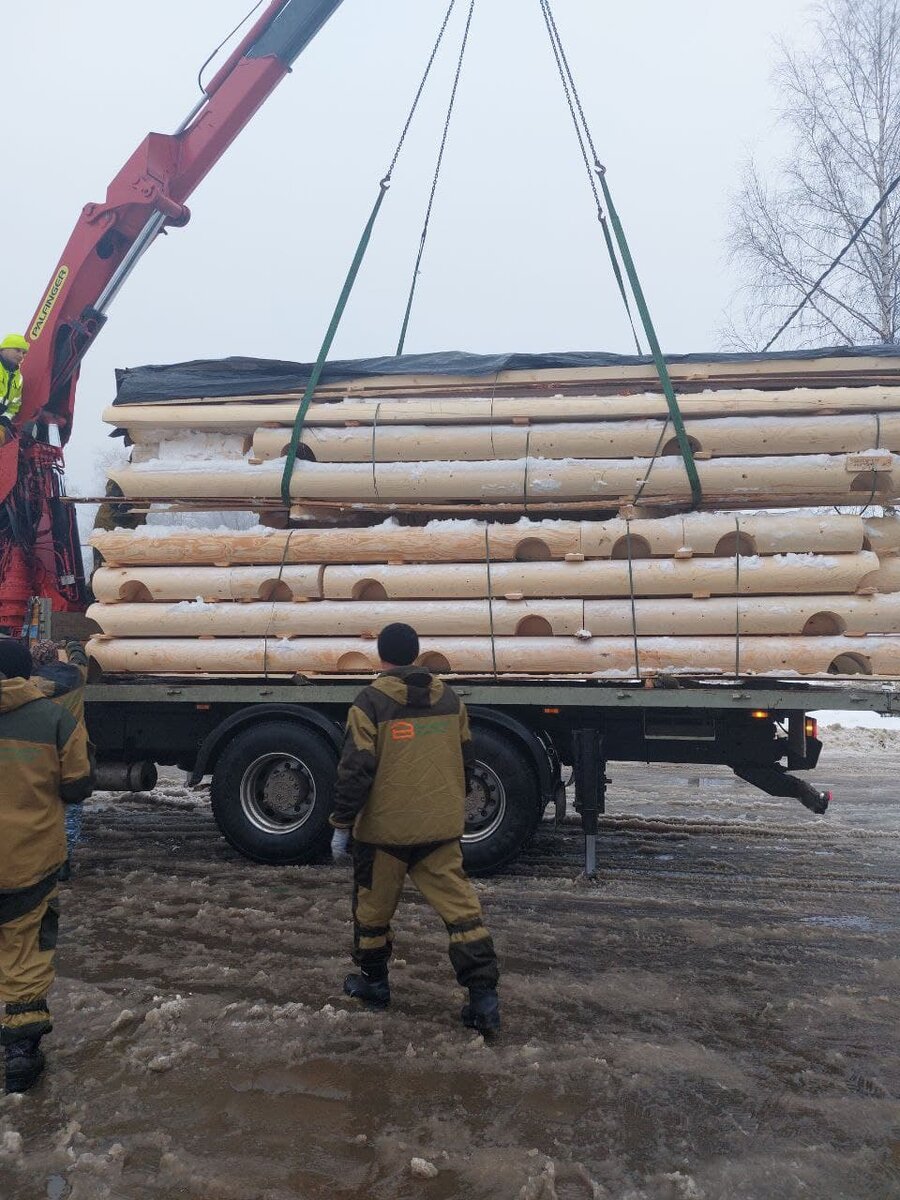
point(528, 740)
point(255, 715)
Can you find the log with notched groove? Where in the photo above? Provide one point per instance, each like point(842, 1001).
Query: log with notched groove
point(702, 534)
point(788, 479)
point(538, 656)
point(771, 575)
point(723, 437)
point(527, 529)
point(714, 616)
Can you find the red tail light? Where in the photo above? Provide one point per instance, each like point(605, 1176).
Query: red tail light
point(812, 727)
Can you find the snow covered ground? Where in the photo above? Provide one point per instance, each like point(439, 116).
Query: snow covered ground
point(714, 1019)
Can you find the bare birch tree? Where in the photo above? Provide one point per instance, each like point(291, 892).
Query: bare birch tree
point(840, 102)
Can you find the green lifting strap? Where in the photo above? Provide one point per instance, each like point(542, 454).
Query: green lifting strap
point(662, 370)
point(358, 257)
point(317, 370)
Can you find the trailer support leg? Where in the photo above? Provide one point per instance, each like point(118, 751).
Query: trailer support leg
point(590, 790)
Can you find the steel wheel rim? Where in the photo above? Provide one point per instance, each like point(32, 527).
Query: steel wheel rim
point(485, 805)
point(269, 793)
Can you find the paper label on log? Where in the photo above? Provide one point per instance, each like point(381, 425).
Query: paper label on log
point(876, 461)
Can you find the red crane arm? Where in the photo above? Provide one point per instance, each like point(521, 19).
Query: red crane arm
point(148, 194)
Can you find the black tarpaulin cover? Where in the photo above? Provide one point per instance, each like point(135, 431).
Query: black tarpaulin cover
point(261, 376)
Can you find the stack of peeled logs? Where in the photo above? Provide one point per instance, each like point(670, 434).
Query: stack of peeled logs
point(548, 532)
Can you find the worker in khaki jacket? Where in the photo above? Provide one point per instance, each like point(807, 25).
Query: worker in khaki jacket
point(63, 682)
point(401, 788)
point(43, 764)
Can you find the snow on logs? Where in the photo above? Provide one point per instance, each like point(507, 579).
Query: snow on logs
point(787, 480)
point(807, 593)
point(722, 437)
point(717, 534)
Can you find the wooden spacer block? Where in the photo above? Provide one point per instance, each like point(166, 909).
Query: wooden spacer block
point(514, 596)
point(683, 552)
point(574, 557)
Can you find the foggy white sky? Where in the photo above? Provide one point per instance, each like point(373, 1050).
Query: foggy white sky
point(676, 93)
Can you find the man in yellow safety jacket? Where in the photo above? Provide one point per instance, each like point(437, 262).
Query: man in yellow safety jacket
point(401, 789)
point(13, 349)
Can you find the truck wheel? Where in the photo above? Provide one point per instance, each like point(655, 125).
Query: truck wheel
point(272, 792)
point(503, 807)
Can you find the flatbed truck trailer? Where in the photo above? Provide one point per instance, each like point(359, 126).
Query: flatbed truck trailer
point(271, 746)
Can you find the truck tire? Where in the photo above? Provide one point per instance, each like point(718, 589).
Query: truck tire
point(503, 808)
point(272, 790)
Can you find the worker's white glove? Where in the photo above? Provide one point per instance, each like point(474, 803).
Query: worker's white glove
point(340, 846)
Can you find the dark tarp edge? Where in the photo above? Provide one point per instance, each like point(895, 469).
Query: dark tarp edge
point(260, 376)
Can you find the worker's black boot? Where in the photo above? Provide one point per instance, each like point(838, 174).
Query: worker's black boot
point(483, 1011)
point(373, 992)
point(24, 1064)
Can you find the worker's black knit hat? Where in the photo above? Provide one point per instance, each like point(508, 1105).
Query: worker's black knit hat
point(15, 661)
point(398, 644)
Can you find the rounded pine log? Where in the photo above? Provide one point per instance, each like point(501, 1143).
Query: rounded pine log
point(743, 481)
point(533, 656)
point(144, 584)
point(882, 534)
point(722, 437)
point(773, 575)
point(775, 616)
point(464, 541)
point(811, 616)
point(724, 534)
point(885, 579)
point(328, 618)
point(245, 415)
point(439, 541)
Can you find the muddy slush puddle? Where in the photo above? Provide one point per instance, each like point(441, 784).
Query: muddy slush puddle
point(715, 1019)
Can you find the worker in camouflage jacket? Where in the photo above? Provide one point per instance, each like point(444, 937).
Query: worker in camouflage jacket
point(43, 765)
point(401, 789)
point(63, 682)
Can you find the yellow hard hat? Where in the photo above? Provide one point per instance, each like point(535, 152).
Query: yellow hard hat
point(14, 341)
